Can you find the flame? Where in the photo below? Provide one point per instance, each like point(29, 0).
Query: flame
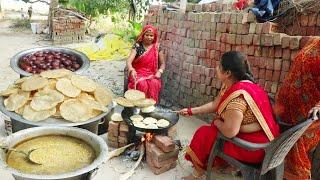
point(149, 136)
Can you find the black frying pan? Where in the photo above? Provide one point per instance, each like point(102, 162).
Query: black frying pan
point(159, 113)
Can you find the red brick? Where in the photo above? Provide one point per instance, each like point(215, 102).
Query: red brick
point(282, 75)
point(162, 163)
point(233, 28)
point(274, 88)
point(227, 16)
point(271, 52)
point(277, 38)
point(264, 51)
point(252, 28)
point(123, 140)
point(278, 51)
point(245, 29)
point(164, 143)
point(123, 127)
point(233, 18)
point(238, 39)
point(259, 28)
point(113, 128)
point(251, 60)
point(218, 36)
point(195, 77)
point(256, 40)
point(221, 27)
point(113, 144)
point(270, 63)
point(285, 41)
point(224, 37)
point(231, 39)
point(311, 31)
point(210, 44)
point(255, 72)
point(261, 82)
point(295, 42)
point(276, 76)
point(304, 41)
point(312, 19)
point(286, 53)
point(304, 19)
point(251, 17)
point(123, 134)
point(239, 18)
point(294, 54)
point(217, 45)
point(223, 47)
point(159, 155)
point(250, 50)
point(277, 64)
point(247, 39)
point(161, 170)
point(112, 137)
point(268, 75)
point(228, 47)
point(266, 40)
point(262, 73)
point(267, 86)
point(285, 65)
point(268, 27)
point(318, 20)
point(257, 51)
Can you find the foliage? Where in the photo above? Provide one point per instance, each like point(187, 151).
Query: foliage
point(21, 24)
point(93, 8)
point(189, 1)
point(130, 32)
point(141, 7)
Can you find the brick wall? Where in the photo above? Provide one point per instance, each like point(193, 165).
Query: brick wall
point(194, 42)
point(67, 29)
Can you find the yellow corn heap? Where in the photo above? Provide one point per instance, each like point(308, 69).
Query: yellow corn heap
point(112, 47)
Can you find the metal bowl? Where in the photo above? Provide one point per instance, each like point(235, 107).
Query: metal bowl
point(84, 60)
point(96, 142)
point(20, 123)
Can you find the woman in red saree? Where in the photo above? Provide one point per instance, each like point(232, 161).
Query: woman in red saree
point(146, 64)
point(300, 92)
point(243, 110)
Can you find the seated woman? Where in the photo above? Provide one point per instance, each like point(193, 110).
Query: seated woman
point(146, 64)
point(243, 110)
point(298, 99)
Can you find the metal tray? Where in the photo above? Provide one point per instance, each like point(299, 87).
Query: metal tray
point(49, 121)
point(84, 60)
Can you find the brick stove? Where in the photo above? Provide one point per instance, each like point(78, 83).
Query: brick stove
point(161, 151)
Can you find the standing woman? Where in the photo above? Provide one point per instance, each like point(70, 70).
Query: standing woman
point(146, 64)
point(243, 110)
point(299, 98)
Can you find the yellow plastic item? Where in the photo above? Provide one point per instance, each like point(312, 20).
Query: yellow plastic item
point(111, 47)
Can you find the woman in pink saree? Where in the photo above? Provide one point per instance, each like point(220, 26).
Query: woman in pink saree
point(146, 64)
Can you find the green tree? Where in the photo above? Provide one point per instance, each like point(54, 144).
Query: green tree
point(93, 8)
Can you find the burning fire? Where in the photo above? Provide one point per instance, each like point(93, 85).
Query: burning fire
point(149, 136)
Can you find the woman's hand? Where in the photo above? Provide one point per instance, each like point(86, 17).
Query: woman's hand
point(158, 75)
point(314, 112)
point(186, 112)
point(133, 73)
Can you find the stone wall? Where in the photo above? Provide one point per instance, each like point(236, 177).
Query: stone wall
point(194, 42)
